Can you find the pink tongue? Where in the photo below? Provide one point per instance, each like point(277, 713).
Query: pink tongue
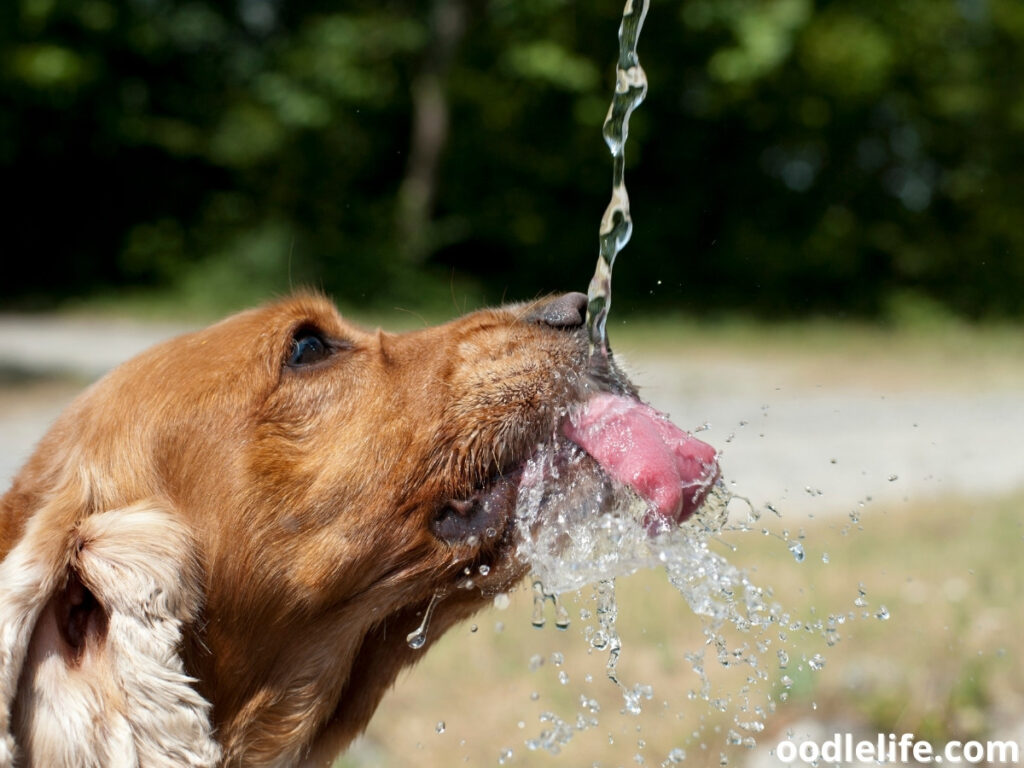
point(641, 448)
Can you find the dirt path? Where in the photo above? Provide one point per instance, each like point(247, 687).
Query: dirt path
point(814, 449)
point(809, 442)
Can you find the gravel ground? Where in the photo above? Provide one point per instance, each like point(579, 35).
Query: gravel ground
point(805, 447)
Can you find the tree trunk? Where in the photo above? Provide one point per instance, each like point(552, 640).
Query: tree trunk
point(429, 134)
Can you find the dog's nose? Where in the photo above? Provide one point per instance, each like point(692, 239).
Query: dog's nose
point(566, 311)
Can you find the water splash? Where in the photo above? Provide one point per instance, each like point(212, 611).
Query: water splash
point(579, 530)
point(616, 224)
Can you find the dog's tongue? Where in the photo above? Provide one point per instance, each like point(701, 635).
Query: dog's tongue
point(672, 470)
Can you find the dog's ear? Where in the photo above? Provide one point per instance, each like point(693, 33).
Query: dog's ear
point(92, 609)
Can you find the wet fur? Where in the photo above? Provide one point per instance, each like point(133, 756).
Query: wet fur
point(214, 558)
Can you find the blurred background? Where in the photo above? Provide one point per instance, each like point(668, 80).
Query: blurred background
point(844, 157)
point(825, 278)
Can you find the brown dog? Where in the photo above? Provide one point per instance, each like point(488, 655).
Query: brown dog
point(216, 554)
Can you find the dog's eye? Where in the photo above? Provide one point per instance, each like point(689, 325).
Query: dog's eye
point(307, 348)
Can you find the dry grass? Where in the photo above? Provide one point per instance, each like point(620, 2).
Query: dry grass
point(945, 664)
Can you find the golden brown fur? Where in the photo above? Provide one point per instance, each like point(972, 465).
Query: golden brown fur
point(265, 534)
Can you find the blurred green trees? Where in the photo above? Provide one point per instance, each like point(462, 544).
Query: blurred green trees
point(844, 156)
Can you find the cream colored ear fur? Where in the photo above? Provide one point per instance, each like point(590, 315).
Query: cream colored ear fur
point(126, 701)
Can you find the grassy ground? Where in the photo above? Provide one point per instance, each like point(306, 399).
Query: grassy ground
point(945, 664)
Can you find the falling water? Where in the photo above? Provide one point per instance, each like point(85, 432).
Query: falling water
point(418, 637)
point(616, 224)
point(578, 529)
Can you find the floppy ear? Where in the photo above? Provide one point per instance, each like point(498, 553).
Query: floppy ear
point(91, 618)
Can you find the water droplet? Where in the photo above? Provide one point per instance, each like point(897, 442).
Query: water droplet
point(484, 570)
point(861, 600)
point(893, 478)
point(490, 533)
point(563, 677)
point(562, 620)
point(501, 601)
point(534, 695)
point(824, 558)
point(418, 637)
point(504, 756)
point(537, 619)
point(440, 727)
point(798, 551)
point(783, 659)
point(883, 613)
point(416, 640)
point(676, 756)
point(472, 627)
point(557, 658)
point(816, 662)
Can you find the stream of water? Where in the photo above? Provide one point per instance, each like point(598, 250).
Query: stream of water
point(616, 224)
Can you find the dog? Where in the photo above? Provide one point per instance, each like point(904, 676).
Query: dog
point(217, 554)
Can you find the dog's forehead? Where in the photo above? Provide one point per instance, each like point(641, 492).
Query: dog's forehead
point(257, 333)
point(304, 309)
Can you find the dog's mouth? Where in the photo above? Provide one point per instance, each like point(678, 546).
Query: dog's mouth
point(606, 439)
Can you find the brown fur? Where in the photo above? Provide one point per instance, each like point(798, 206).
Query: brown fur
point(307, 495)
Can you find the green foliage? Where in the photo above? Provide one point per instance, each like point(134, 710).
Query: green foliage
point(853, 157)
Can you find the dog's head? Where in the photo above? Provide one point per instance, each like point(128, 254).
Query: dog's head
point(269, 506)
